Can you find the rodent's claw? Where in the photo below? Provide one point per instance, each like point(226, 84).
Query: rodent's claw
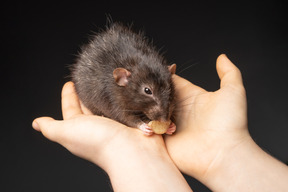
point(171, 129)
point(146, 129)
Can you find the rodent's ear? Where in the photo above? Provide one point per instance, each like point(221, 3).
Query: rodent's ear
point(172, 68)
point(121, 76)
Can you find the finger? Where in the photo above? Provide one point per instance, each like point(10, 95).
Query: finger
point(228, 73)
point(70, 101)
point(85, 110)
point(48, 126)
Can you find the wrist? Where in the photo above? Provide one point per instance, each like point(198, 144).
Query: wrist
point(126, 147)
point(226, 169)
point(246, 167)
point(142, 163)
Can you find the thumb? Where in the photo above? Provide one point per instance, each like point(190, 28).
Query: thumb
point(48, 126)
point(228, 73)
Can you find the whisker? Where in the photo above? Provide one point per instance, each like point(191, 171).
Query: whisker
point(185, 99)
point(188, 97)
point(185, 112)
point(192, 65)
point(131, 110)
point(181, 106)
point(177, 115)
point(181, 101)
point(136, 113)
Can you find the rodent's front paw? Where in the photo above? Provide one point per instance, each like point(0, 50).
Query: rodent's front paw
point(171, 129)
point(146, 129)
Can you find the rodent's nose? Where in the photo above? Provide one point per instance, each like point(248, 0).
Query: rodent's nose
point(162, 116)
point(158, 113)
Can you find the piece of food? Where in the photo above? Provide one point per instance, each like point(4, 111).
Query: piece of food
point(159, 127)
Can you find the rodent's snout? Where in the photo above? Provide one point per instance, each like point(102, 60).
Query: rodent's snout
point(156, 113)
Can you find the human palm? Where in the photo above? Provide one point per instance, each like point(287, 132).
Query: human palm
point(209, 124)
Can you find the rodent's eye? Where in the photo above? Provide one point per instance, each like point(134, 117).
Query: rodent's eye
point(147, 91)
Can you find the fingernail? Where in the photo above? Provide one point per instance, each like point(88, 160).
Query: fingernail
point(35, 125)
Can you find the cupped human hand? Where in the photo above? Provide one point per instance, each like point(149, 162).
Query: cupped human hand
point(89, 136)
point(133, 161)
point(209, 124)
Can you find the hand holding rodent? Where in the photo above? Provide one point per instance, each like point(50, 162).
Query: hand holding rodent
point(208, 122)
point(80, 132)
point(116, 148)
point(213, 144)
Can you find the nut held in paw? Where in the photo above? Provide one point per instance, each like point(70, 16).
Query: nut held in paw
point(159, 127)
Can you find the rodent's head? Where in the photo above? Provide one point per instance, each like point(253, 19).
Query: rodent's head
point(148, 93)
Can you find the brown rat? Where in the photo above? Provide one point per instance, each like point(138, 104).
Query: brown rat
point(121, 75)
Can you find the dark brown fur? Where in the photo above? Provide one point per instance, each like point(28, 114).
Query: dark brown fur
point(119, 47)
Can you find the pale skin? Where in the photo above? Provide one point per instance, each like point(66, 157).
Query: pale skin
point(133, 161)
point(212, 142)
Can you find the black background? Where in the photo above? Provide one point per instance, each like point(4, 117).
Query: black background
point(39, 41)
